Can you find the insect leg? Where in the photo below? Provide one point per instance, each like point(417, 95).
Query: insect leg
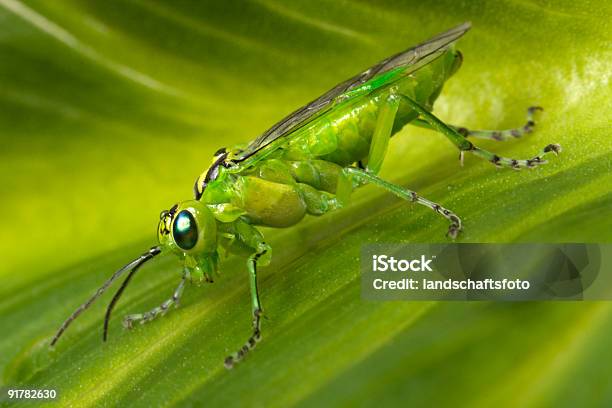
point(250, 344)
point(128, 321)
point(382, 133)
point(466, 146)
point(499, 135)
point(368, 177)
point(378, 147)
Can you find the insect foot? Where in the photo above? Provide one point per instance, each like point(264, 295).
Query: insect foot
point(503, 135)
point(555, 148)
point(250, 344)
point(514, 163)
point(528, 128)
point(128, 322)
point(455, 228)
point(455, 222)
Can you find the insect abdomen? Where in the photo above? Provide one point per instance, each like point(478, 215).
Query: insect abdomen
point(343, 135)
point(353, 134)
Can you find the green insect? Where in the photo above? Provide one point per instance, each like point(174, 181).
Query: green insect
point(309, 163)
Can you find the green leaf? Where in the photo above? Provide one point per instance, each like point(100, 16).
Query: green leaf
point(109, 111)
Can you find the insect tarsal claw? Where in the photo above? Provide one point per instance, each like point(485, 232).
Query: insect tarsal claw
point(127, 323)
point(229, 362)
point(555, 148)
point(453, 231)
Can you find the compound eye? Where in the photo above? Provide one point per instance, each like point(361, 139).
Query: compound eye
point(185, 230)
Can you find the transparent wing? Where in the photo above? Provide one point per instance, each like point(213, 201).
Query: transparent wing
point(410, 59)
